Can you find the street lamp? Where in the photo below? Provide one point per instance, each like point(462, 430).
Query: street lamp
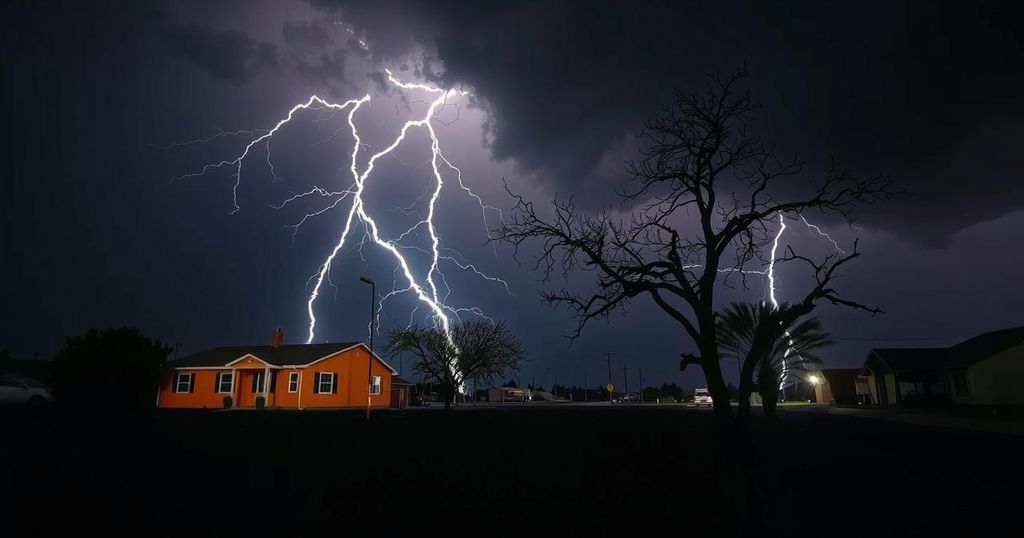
point(373, 323)
point(815, 381)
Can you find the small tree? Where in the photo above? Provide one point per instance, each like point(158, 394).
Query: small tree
point(476, 350)
point(769, 341)
point(110, 368)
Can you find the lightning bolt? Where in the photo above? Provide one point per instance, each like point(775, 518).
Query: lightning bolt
point(425, 289)
point(772, 283)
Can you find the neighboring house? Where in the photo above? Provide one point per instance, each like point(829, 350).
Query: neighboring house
point(508, 394)
point(300, 377)
point(401, 392)
point(837, 386)
point(985, 370)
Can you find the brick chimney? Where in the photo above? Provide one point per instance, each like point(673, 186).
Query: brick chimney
point(277, 337)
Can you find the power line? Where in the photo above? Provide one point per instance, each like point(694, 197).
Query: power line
point(947, 337)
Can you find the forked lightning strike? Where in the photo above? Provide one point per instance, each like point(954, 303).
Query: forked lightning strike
point(426, 292)
point(771, 282)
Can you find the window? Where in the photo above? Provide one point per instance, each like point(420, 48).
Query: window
point(183, 383)
point(960, 382)
point(326, 382)
point(257, 382)
point(225, 382)
point(293, 382)
point(375, 384)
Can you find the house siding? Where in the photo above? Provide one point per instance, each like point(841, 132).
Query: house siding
point(203, 392)
point(350, 366)
point(999, 379)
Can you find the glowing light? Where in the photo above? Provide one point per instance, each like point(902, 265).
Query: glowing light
point(425, 289)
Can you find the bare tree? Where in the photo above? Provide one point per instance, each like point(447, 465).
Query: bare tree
point(707, 204)
point(476, 350)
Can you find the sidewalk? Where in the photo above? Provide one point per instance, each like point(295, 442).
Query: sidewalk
point(933, 419)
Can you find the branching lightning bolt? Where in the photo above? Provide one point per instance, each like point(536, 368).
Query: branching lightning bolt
point(426, 290)
point(772, 283)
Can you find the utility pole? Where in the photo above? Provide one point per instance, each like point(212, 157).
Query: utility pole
point(373, 326)
point(586, 392)
point(609, 357)
point(641, 372)
point(625, 383)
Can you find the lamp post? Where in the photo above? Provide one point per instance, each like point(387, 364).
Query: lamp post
point(373, 323)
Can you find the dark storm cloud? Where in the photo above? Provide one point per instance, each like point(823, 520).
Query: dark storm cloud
point(306, 33)
point(230, 56)
point(327, 71)
point(932, 94)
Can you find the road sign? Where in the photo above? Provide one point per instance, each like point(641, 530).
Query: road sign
point(610, 387)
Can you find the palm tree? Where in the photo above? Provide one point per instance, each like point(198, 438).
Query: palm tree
point(769, 342)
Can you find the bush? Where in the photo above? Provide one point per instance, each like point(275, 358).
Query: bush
point(108, 368)
point(228, 402)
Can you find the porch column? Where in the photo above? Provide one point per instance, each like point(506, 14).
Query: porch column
point(266, 386)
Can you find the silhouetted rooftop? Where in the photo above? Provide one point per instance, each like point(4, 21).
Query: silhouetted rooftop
point(293, 354)
point(960, 355)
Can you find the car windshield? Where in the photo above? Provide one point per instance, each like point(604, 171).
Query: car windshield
point(18, 380)
point(34, 383)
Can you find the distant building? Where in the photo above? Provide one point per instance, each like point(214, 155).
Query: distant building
point(285, 376)
point(400, 392)
point(985, 370)
point(838, 386)
point(508, 394)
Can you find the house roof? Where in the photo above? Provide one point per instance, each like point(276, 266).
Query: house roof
point(285, 355)
point(985, 345)
point(961, 355)
point(395, 380)
point(912, 358)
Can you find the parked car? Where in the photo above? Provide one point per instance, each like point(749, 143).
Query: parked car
point(18, 390)
point(702, 397)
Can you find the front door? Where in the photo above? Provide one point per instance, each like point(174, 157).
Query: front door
point(250, 385)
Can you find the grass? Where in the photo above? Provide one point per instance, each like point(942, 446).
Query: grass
point(512, 469)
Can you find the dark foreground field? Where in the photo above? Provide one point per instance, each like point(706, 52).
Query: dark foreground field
point(498, 472)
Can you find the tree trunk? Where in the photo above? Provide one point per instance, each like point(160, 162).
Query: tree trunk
point(448, 393)
point(769, 399)
point(717, 388)
point(768, 387)
point(746, 388)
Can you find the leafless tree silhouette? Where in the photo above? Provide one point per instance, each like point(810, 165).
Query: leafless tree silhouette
point(706, 205)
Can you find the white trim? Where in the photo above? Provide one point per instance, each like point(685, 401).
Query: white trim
point(231, 390)
point(320, 382)
point(260, 388)
point(177, 382)
point(291, 366)
point(251, 356)
point(290, 374)
point(379, 382)
point(340, 351)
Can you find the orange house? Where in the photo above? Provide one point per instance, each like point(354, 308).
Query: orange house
point(286, 376)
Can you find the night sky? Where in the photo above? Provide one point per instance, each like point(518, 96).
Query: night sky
point(97, 231)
